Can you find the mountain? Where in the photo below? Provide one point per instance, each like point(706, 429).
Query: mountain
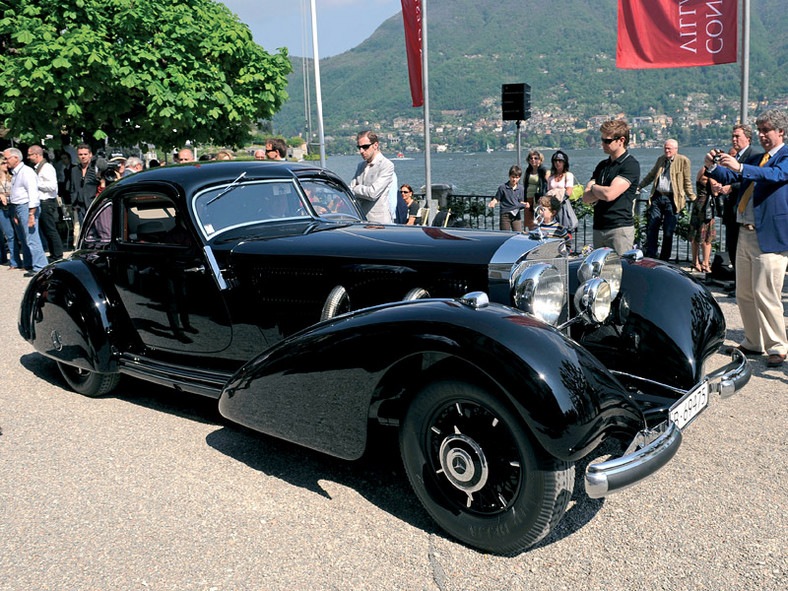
point(565, 49)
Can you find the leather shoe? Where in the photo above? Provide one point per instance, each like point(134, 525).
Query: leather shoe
point(775, 360)
point(745, 350)
point(31, 273)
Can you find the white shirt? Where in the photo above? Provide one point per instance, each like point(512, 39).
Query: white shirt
point(47, 181)
point(24, 186)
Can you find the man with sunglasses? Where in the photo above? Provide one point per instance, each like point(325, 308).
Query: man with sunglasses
point(762, 250)
point(373, 177)
point(612, 190)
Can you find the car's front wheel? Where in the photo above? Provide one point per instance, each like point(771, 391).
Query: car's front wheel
point(86, 382)
point(477, 471)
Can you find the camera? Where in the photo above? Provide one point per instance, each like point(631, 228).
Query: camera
point(717, 156)
point(111, 173)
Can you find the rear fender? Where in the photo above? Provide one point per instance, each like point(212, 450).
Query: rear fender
point(67, 316)
point(318, 387)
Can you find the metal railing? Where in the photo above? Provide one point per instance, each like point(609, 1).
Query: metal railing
point(472, 211)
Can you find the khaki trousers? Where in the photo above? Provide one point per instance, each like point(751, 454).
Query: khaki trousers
point(619, 239)
point(759, 285)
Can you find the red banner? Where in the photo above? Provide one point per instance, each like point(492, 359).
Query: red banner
point(676, 33)
point(411, 14)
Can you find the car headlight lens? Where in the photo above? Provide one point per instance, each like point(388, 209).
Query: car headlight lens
point(603, 263)
point(538, 290)
point(594, 299)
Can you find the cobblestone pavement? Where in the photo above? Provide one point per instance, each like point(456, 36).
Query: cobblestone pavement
point(150, 489)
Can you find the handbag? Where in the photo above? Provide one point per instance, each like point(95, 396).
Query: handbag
point(566, 216)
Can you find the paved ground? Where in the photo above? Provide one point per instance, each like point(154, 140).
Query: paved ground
point(150, 489)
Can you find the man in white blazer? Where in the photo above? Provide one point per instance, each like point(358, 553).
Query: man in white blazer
point(373, 177)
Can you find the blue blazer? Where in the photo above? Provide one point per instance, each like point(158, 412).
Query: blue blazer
point(769, 199)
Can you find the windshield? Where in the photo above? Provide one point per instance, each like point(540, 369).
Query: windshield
point(246, 203)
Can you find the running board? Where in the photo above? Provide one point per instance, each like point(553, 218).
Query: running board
point(184, 379)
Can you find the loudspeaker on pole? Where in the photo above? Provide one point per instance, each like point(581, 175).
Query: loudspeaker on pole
point(516, 101)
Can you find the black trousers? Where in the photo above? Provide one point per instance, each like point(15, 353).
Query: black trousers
point(48, 227)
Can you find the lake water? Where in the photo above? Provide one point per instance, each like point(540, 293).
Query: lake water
point(481, 173)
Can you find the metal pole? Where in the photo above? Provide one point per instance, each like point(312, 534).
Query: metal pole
point(318, 92)
point(745, 59)
point(425, 86)
point(518, 142)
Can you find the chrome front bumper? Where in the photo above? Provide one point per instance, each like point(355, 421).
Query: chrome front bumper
point(653, 448)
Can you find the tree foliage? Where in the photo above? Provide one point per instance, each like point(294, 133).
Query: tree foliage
point(135, 71)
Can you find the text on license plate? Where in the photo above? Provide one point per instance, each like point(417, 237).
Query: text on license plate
point(690, 405)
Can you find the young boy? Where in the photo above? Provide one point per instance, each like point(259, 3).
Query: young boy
point(512, 198)
point(550, 227)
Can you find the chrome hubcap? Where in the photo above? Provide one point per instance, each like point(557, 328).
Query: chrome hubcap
point(464, 463)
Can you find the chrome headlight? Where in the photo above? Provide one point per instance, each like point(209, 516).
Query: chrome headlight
point(538, 290)
point(593, 299)
point(603, 263)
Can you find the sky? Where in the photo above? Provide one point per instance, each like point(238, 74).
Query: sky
point(341, 24)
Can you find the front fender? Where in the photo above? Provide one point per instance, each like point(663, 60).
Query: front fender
point(316, 388)
point(67, 316)
point(666, 326)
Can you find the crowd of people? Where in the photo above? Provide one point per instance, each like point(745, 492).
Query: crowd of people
point(37, 197)
point(749, 189)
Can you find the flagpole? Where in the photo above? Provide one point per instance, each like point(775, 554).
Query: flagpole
point(318, 92)
point(425, 85)
point(745, 59)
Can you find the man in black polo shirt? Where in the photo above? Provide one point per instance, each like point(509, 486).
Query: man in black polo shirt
point(612, 190)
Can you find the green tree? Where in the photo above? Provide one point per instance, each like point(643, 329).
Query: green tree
point(159, 72)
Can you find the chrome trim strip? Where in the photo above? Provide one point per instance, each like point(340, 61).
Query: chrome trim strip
point(215, 270)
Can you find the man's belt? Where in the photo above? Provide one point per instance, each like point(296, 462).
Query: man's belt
point(661, 194)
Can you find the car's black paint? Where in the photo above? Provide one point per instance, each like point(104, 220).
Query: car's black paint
point(670, 325)
point(342, 368)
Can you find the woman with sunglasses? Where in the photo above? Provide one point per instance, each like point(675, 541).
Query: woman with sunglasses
point(560, 177)
point(413, 205)
point(534, 184)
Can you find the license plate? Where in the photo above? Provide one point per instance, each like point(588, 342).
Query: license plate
point(690, 406)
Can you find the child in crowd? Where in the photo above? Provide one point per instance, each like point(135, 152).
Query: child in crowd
point(550, 228)
point(511, 196)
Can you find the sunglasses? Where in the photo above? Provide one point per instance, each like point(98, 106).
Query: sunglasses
point(609, 140)
point(405, 192)
point(364, 146)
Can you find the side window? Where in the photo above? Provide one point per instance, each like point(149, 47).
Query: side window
point(98, 229)
point(328, 199)
point(153, 219)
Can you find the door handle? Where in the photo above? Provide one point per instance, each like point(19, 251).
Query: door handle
point(200, 269)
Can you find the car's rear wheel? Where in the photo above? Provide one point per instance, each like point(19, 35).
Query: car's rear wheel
point(86, 382)
point(477, 471)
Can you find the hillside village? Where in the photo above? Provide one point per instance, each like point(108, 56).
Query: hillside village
point(703, 119)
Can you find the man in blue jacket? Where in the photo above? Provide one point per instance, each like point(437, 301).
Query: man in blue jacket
point(762, 252)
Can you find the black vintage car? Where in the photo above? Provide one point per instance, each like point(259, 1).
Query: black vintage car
point(500, 360)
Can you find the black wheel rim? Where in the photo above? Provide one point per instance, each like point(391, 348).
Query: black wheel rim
point(473, 459)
